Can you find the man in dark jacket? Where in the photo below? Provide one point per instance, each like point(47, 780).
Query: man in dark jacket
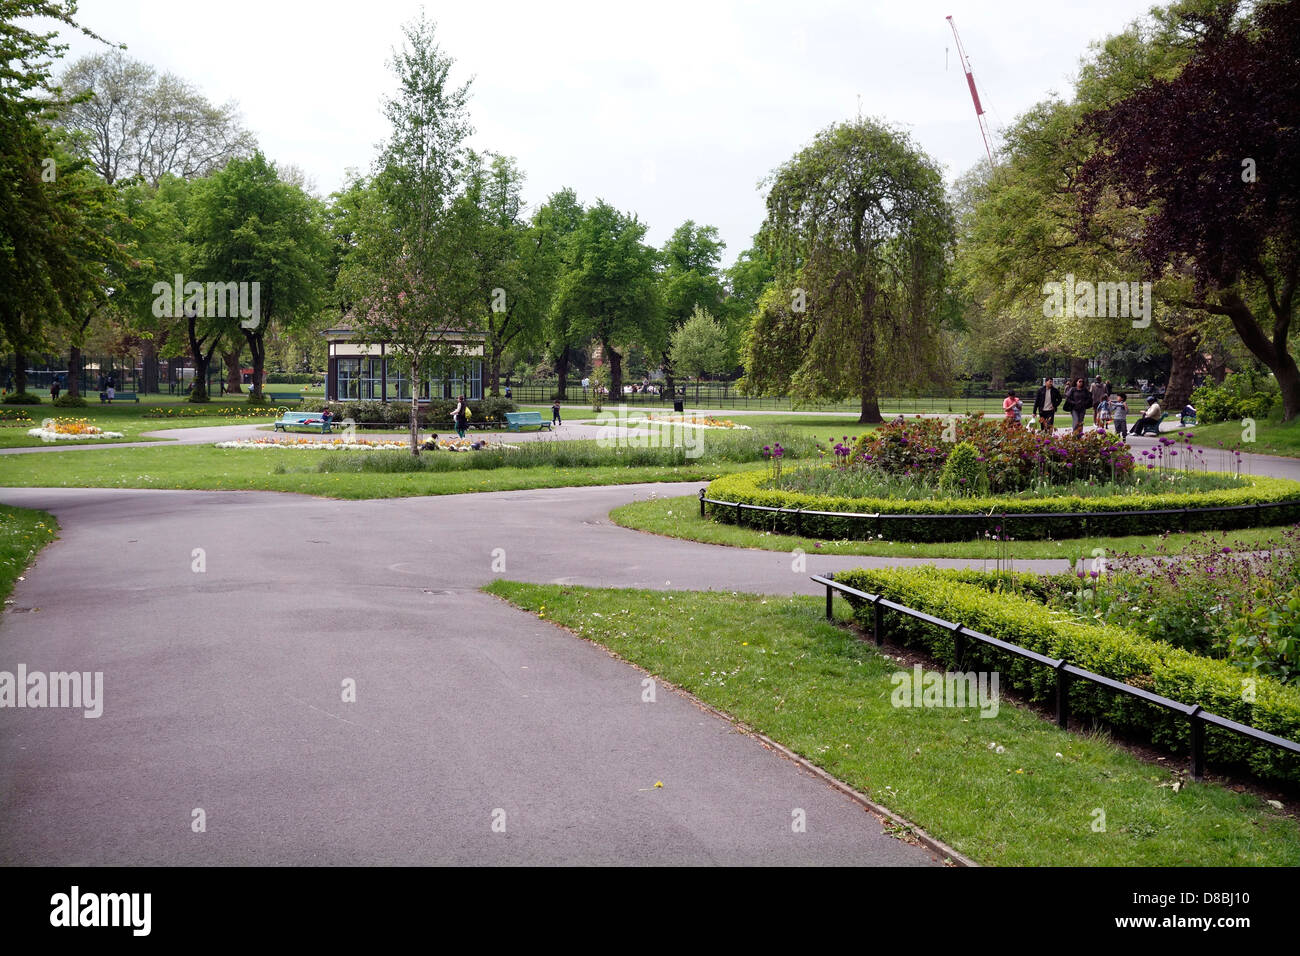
point(1046, 401)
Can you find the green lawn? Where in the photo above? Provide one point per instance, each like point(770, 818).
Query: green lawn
point(777, 666)
point(679, 517)
point(1272, 437)
point(23, 532)
point(208, 468)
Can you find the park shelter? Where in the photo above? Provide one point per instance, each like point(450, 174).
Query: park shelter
point(362, 370)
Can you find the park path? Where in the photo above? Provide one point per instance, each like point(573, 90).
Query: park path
point(222, 692)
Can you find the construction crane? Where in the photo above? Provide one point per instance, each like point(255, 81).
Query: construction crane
point(974, 94)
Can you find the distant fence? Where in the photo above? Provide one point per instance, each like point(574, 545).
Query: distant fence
point(1197, 718)
point(724, 395)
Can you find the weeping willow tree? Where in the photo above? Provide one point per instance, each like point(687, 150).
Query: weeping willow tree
point(861, 232)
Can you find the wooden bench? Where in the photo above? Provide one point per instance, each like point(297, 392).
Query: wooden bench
point(302, 420)
point(119, 397)
point(516, 420)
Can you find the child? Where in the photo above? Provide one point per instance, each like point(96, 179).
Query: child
point(555, 413)
point(1119, 414)
point(1011, 406)
point(1103, 412)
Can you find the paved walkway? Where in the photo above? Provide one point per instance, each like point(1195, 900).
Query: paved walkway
point(222, 691)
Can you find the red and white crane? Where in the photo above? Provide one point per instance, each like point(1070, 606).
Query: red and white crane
point(974, 94)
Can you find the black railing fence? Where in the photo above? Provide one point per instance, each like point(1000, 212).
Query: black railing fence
point(1197, 717)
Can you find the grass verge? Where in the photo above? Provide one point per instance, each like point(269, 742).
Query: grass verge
point(23, 532)
point(1272, 437)
point(780, 668)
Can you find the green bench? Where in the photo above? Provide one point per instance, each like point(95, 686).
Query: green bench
point(283, 396)
point(302, 420)
point(516, 420)
point(119, 397)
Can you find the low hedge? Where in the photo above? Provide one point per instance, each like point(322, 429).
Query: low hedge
point(487, 411)
point(975, 517)
point(1107, 650)
point(21, 398)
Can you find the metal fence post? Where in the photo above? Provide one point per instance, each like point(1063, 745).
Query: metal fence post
point(701, 502)
point(878, 620)
point(738, 514)
point(958, 645)
point(1198, 743)
point(830, 597)
point(1062, 694)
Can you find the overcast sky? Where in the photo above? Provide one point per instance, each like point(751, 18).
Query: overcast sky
point(672, 110)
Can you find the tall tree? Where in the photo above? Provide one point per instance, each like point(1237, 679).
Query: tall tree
point(691, 279)
point(130, 121)
point(411, 276)
point(612, 287)
point(699, 347)
point(861, 230)
point(1213, 155)
point(250, 227)
point(555, 222)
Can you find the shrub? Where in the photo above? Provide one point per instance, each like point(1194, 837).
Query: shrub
point(21, 398)
point(485, 412)
point(294, 378)
point(1246, 394)
point(69, 401)
point(1111, 651)
point(964, 472)
point(958, 519)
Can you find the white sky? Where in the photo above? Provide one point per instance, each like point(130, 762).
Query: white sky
point(673, 110)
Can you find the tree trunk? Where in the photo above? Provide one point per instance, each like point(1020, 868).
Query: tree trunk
point(74, 371)
point(615, 372)
point(1184, 352)
point(149, 367)
point(562, 370)
point(234, 376)
point(415, 408)
point(1078, 369)
point(870, 408)
point(1272, 352)
point(1288, 379)
point(494, 368)
point(998, 373)
point(668, 378)
point(256, 339)
point(20, 371)
point(867, 360)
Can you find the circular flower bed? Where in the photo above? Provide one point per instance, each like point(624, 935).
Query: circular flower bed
point(69, 429)
point(696, 421)
point(961, 518)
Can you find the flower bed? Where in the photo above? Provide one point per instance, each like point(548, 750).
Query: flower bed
point(972, 517)
point(695, 421)
point(360, 444)
point(1109, 650)
point(70, 429)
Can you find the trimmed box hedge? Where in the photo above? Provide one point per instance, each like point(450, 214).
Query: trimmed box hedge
point(1107, 650)
point(485, 412)
point(973, 517)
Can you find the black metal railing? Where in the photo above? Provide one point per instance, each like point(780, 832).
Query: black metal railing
point(1197, 717)
point(1005, 518)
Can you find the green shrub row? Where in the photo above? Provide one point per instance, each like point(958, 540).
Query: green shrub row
point(1110, 651)
point(977, 516)
point(20, 398)
point(294, 378)
point(488, 411)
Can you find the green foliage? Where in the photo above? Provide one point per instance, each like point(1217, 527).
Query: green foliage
point(964, 473)
point(486, 411)
point(294, 378)
point(22, 398)
point(967, 518)
point(1242, 395)
point(69, 401)
point(1107, 650)
point(1267, 640)
point(699, 346)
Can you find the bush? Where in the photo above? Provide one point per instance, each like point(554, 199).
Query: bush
point(487, 412)
point(1107, 650)
point(69, 401)
point(1246, 394)
point(294, 378)
point(964, 472)
point(966, 518)
point(21, 398)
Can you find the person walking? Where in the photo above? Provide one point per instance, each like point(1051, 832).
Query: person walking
point(1119, 414)
point(1011, 406)
point(1046, 402)
point(54, 389)
point(1098, 392)
point(460, 417)
point(1077, 402)
point(555, 413)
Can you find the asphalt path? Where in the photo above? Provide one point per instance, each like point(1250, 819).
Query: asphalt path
point(223, 693)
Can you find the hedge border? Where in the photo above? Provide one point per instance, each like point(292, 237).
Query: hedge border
point(1019, 518)
point(1112, 651)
